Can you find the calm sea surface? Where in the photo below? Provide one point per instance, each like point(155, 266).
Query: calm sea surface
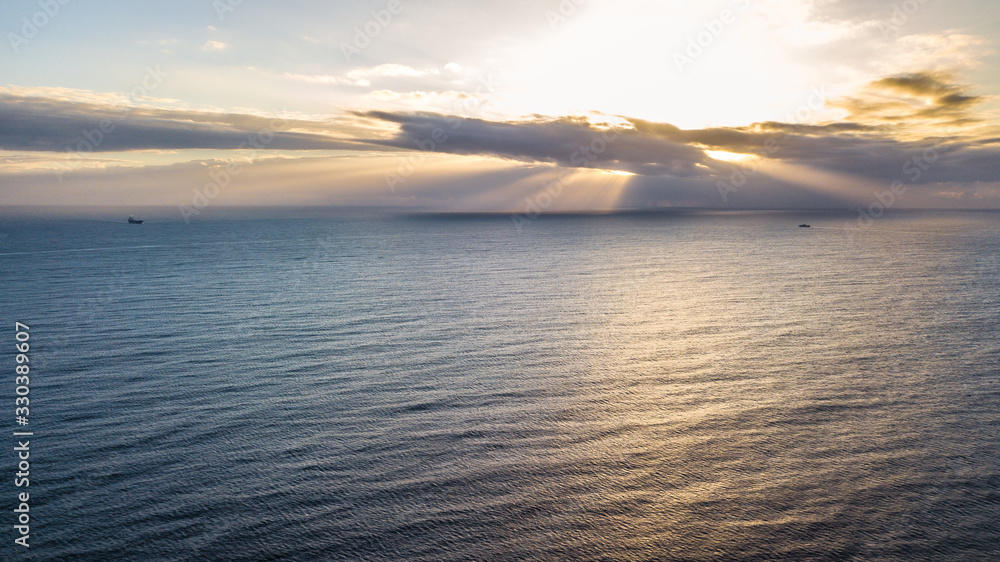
point(667, 387)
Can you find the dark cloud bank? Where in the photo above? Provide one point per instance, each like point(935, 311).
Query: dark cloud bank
point(866, 144)
point(49, 125)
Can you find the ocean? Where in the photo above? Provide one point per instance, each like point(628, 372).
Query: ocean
point(674, 386)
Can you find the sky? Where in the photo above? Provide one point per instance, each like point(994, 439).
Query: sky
point(516, 106)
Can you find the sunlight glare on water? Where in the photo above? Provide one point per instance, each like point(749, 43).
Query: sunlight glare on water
point(685, 386)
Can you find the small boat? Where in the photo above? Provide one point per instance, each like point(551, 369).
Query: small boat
point(803, 226)
point(133, 220)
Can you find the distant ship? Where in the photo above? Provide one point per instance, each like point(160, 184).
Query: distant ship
point(133, 220)
point(800, 226)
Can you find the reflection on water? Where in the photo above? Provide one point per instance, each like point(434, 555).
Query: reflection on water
point(686, 386)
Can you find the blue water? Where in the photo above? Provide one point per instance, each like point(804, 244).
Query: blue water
point(688, 386)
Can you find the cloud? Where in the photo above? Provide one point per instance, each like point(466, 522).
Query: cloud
point(362, 77)
point(46, 124)
point(319, 78)
point(873, 145)
point(566, 141)
point(919, 84)
point(213, 46)
point(924, 98)
point(937, 51)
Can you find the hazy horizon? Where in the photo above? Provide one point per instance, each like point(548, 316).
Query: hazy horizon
point(119, 213)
